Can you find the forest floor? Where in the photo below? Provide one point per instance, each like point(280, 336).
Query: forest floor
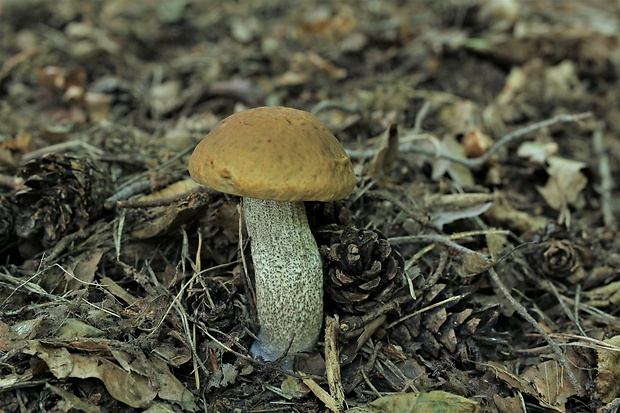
point(485, 136)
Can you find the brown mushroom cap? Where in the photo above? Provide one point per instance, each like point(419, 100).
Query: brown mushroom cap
point(274, 153)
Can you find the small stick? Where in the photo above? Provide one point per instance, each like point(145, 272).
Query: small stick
point(522, 311)
point(332, 362)
point(324, 396)
point(607, 183)
point(63, 147)
point(475, 163)
point(126, 192)
point(164, 201)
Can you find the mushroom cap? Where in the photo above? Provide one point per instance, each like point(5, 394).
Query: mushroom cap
point(274, 153)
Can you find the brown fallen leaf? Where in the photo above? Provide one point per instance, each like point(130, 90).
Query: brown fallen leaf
point(608, 294)
point(164, 220)
point(431, 402)
point(537, 152)
point(387, 155)
point(461, 174)
point(129, 387)
point(565, 183)
point(608, 371)
point(548, 378)
point(476, 143)
point(508, 404)
point(547, 382)
point(71, 402)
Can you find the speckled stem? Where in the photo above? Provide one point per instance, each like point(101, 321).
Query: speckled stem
point(289, 277)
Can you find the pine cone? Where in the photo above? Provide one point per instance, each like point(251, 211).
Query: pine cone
point(558, 257)
point(61, 195)
point(455, 329)
point(362, 269)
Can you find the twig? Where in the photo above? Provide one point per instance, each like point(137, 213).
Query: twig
point(164, 201)
point(476, 163)
point(369, 384)
point(607, 184)
point(250, 293)
point(324, 396)
point(562, 118)
point(127, 191)
point(64, 243)
point(332, 362)
point(29, 285)
point(439, 268)
point(419, 117)
point(332, 104)
point(350, 325)
point(452, 237)
point(574, 317)
point(368, 367)
point(612, 407)
point(142, 176)
point(522, 311)
point(63, 147)
point(425, 309)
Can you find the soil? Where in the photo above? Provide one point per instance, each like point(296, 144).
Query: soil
point(475, 267)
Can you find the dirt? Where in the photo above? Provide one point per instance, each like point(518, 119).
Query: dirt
point(475, 267)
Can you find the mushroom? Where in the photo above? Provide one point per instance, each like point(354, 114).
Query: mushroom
point(276, 158)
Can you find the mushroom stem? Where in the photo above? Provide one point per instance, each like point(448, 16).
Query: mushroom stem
point(289, 277)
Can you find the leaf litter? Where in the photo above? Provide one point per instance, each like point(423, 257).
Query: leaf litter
point(484, 137)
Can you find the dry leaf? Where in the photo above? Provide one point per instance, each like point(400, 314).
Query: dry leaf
point(537, 152)
point(292, 388)
point(87, 265)
point(164, 97)
point(562, 82)
point(129, 387)
point(13, 337)
point(168, 192)
point(442, 218)
point(547, 381)
point(472, 264)
point(512, 86)
point(459, 173)
point(513, 380)
point(225, 375)
point(431, 402)
point(476, 143)
point(161, 408)
point(98, 105)
point(387, 155)
point(605, 295)
point(508, 404)
point(608, 371)
point(70, 402)
point(164, 220)
point(565, 183)
point(73, 329)
point(552, 384)
point(170, 388)
point(503, 214)
point(4, 340)
point(447, 208)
